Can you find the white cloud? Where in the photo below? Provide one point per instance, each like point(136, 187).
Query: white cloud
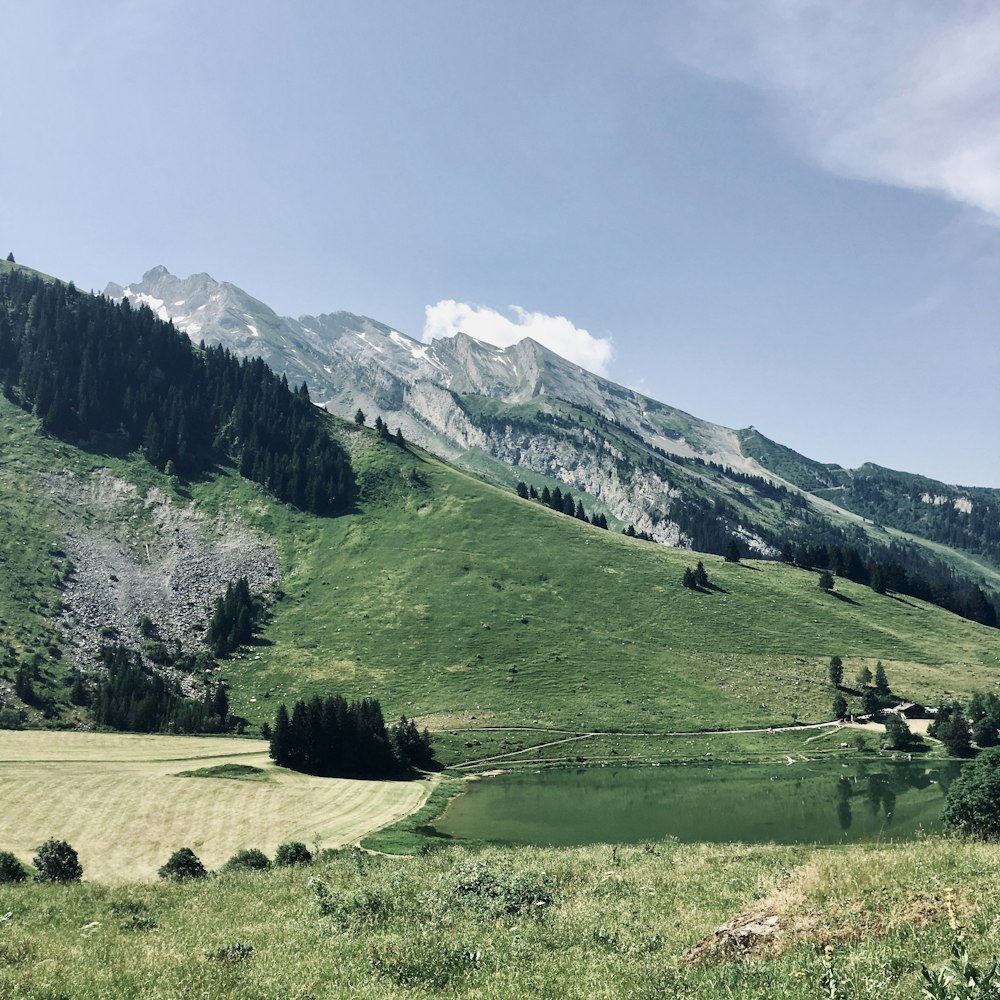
point(896, 91)
point(557, 333)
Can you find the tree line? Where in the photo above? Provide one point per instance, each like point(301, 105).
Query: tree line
point(336, 738)
point(883, 575)
point(89, 367)
point(564, 503)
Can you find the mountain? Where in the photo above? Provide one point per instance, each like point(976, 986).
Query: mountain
point(440, 593)
point(525, 413)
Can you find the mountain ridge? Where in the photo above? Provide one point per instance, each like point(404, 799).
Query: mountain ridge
point(525, 413)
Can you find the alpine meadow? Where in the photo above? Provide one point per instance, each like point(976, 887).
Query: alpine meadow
point(286, 637)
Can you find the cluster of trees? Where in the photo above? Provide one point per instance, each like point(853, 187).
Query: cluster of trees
point(884, 574)
point(132, 698)
point(562, 502)
point(233, 619)
point(382, 428)
point(876, 694)
point(644, 536)
point(958, 727)
point(336, 738)
point(697, 578)
point(90, 367)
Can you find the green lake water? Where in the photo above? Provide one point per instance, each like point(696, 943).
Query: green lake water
point(823, 803)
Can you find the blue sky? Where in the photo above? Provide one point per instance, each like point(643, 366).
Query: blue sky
point(782, 214)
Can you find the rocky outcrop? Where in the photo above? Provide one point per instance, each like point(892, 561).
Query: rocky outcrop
point(136, 555)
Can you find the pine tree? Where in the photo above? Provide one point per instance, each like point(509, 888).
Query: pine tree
point(732, 553)
point(359, 417)
point(522, 490)
point(280, 737)
point(700, 575)
point(836, 671)
point(881, 681)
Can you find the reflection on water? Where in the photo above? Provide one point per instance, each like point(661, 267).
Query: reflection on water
point(803, 803)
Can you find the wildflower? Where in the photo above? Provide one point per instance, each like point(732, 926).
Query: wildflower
point(953, 923)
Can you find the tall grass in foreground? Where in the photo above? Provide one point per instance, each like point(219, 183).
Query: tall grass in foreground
point(514, 923)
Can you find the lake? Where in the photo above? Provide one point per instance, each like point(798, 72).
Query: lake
point(806, 802)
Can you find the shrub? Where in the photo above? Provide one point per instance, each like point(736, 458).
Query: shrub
point(11, 870)
point(56, 861)
point(973, 804)
point(10, 718)
point(247, 860)
point(182, 865)
point(292, 853)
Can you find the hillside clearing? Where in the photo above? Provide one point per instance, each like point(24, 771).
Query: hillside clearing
point(119, 800)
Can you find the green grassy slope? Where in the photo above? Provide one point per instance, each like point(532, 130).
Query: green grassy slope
point(457, 602)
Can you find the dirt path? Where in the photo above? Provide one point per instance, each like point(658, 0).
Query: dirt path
point(581, 737)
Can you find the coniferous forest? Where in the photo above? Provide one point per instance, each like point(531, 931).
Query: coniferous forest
point(89, 367)
point(335, 738)
point(131, 698)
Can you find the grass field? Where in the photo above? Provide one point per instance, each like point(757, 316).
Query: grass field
point(119, 800)
point(515, 924)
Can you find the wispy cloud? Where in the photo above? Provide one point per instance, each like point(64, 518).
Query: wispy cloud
point(448, 317)
point(896, 91)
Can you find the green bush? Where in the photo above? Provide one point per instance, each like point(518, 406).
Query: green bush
point(973, 804)
point(182, 865)
point(11, 870)
point(249, 859)
point(56, 861)
point(292, 853)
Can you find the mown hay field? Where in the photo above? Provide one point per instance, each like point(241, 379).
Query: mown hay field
point(120, 802)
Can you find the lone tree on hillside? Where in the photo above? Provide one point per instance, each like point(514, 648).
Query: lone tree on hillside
point(359, 417)
point(826, 581)
point(836, 670)
point(973, 804)
point(700, 575)
point(56, 861)
point(10, 258)
point(732, 553)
